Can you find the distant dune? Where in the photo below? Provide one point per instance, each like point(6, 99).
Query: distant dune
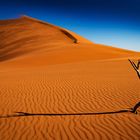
point(46, 69)
point(25, 37)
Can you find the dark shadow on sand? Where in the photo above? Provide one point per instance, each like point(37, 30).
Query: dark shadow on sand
point(22, 114)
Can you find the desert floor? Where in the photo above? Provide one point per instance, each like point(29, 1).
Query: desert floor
point(84, 87)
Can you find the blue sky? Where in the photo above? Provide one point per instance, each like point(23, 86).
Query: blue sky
point(110, 22)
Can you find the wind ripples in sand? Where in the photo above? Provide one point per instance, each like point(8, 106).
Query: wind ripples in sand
point(56, 91)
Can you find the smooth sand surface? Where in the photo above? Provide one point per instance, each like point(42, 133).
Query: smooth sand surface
point(44, 71)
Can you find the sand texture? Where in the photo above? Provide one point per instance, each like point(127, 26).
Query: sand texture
point(56, 85)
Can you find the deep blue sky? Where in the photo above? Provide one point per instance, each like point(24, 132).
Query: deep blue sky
point(110, 22)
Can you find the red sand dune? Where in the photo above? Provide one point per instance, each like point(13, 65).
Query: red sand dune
point(47, 69)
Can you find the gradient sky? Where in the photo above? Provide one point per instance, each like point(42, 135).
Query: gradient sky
point(110, 22)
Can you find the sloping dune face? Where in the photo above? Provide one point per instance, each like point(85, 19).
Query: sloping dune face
point(56, 85)
point(26, 36)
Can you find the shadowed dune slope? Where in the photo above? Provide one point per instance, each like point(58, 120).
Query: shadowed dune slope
point(30, 37)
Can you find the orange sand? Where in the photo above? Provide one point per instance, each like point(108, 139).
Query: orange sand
point(42, 70)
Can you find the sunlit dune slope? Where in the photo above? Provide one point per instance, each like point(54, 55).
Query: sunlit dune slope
point(28, 38)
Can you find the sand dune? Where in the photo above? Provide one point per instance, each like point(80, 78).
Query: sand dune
point(46, 69)
point(30, 37)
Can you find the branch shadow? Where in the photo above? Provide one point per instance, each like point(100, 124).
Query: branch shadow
point(22, 114)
